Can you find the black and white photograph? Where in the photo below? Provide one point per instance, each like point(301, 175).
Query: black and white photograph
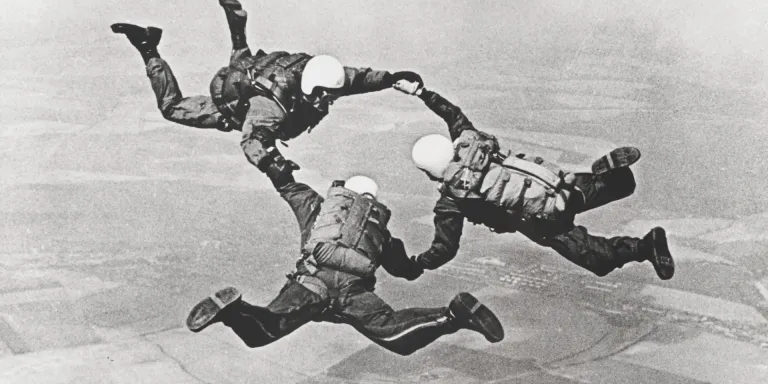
point(384, 191)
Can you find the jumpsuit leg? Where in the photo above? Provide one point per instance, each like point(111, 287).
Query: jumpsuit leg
point(238, 54)
point(293, 307)
point(403, 332)
point(260, 127)
point(599, 190)
point(194, 111)
point(596, 254)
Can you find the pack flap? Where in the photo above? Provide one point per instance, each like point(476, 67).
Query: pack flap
point(541, 173)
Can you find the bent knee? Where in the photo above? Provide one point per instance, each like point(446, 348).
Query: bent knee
point(405, 352)
point(252, 343)
point(402, 350)
point(170, 110)
point(167, 111)
point(624, 180)
point(630, 184)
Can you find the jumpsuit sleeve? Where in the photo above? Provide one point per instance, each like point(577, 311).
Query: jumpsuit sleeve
point(452, 115)
point(449, 224)
point(261, 123)
point(305, 203)
point(396, 262)
point(364, 80)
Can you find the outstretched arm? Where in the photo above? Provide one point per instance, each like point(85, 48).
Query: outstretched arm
point(260, 126)
point(364, 80)
point(452, 115)
point(449, 225)
point(396, 262)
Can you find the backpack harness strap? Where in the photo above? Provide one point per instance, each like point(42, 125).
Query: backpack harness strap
point(271, 89)
point(517, 209)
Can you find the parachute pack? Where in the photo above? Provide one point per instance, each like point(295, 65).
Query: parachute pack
point(356, 222)
point(275, 75)
point(525, 188)
point(472, 156)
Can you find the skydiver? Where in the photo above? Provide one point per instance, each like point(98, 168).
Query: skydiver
point(268, 96)
point(519, 193)
point(344, 239)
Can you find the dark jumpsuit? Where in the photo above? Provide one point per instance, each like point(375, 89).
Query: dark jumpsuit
point(264, 113)
point(403, 332)
point(597, 254)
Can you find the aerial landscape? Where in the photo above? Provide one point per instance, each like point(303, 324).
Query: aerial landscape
point(115, 222)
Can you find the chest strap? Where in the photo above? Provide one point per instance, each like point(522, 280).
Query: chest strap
point(270, 89)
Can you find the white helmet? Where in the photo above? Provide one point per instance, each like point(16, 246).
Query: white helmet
point(432, 153)
point(322, 71)
point(362, 185)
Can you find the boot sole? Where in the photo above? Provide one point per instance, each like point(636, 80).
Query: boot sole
point(618, 158)
point(231, 4)
point(468, 308)
point(662, 259)
point(204, 313)
point(123, 27)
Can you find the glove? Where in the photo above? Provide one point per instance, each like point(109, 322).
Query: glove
point(407, 75)
point(283, 164)
point(408, 87)
point(400, 264)
point(281, 173)
point(567, 177)
point(414, 270)
point(289, 165)
point(224, 125)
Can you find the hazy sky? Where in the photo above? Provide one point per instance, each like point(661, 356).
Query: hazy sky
point(704, 58)
point(715, 34)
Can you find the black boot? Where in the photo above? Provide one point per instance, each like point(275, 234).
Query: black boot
point(655, 249)
point(236, 18)
point(144, 39)
point(231, 4)
point(466, 312)
point(212, 309)
point(618, 158)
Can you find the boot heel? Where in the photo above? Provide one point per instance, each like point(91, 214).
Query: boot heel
point(618, 158)
point(471, 314)
point(207, 311)
point(661, 258)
